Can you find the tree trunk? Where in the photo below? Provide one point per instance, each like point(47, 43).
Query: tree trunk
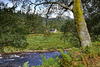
point(81, 25)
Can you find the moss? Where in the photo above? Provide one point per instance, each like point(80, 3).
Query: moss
point(80, 23)
point(78, 14)
point(78, 9)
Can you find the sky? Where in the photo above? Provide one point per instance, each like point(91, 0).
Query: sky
point(53, 15)
point(7, 1)
point(68, 13)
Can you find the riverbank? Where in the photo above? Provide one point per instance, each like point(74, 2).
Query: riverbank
point(33, 51)
point(35, 42)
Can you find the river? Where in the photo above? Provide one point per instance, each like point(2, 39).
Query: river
point(15, 60)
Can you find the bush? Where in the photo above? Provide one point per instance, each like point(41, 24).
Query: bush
point(9, 49)
point(80, 57)
point(49, 62)
point(70, 58)
point(39, 48)
point(26, 64)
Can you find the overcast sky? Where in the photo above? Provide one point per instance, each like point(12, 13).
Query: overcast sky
point(53, 15)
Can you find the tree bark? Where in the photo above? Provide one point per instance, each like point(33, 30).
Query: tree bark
point(81, 25)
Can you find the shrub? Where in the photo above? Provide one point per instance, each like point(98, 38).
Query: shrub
point(9, 49)
point(80, 57)
point(39, 48)
point(25, 64)
point(71, 58)
point(51, 62)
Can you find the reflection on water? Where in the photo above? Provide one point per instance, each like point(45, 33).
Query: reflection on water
point(34, 59)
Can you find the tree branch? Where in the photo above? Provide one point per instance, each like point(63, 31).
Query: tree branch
point(48, 10)
point(65, 7)
point(69, 6)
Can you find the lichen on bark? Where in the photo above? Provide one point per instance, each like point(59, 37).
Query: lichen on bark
point(81, 26)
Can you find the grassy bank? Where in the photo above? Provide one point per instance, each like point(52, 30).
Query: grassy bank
point(52, 41)
point(42, 42)
point(49, 41)
point(87, 57)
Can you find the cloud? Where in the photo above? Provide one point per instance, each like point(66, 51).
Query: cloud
point(54, 12)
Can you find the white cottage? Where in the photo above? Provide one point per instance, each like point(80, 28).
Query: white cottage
point(53, 31)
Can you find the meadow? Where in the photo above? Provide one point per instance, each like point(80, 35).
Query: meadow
point(51, 41)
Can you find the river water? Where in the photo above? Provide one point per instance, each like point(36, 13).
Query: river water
point(15, 60)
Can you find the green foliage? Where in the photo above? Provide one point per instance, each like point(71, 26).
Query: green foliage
point(87, 50)
point(59, 46)
point(95, 37)
point(50, 42)
point(34, 23)
point(75, 57)
point(68, 26)
point(80, 65)
point(46, 62)
point(54, 23)
point(80, 57)
point(14, 26)
point(9, 49)
point(47, 34)
point(70, 34)
point(26, 64)
point(96, 46)
point(39, 48)
point(49, 62)
point(30, 48)
point(51, 48)
point(92, 19)
point(12, 32)
point(70, 57)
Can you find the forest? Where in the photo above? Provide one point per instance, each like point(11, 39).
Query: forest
point(50, 33)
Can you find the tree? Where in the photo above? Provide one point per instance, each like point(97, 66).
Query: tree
point(70, 33)
point(92, 16)
point(81, 24)
point(77, 10)
point(12, 32)
point(34, 23)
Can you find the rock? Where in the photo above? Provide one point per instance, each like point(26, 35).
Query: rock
point(0, 56)
point(13, 56)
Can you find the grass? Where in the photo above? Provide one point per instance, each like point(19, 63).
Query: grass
point(41, 42)
point(52, 41)
point(48, 42)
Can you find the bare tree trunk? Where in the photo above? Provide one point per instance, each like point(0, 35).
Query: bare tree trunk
point(81, 24)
